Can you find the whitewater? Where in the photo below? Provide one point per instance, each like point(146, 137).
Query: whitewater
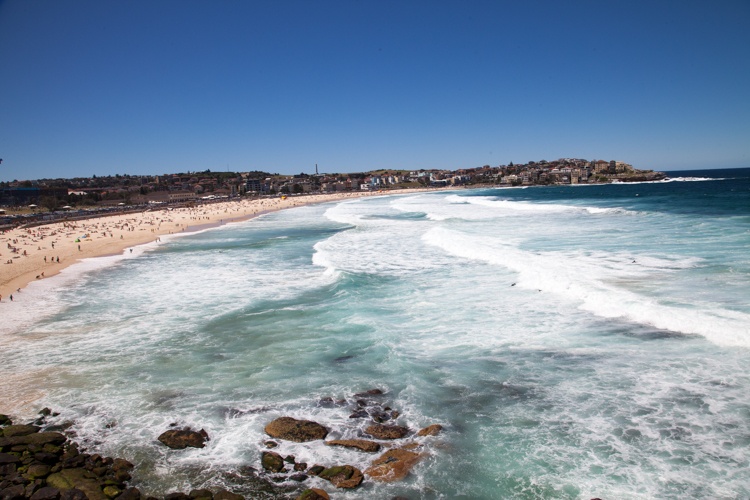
point(573, 341)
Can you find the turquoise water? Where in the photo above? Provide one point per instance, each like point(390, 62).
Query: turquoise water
point(616, 367)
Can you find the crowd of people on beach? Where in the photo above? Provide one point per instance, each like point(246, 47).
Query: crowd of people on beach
point(61, 243)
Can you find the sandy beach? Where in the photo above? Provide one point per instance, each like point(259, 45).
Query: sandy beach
point(35, 253)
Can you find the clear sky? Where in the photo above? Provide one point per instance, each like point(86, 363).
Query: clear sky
point(105, 87)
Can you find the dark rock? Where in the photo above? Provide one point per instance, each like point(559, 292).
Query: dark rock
point(40, 438)
point(271, 444)
point(7, 469)
point(37, 471)
point(99, 471)
point(299, 477)
point(6, 458)
point(272, 461)
point(129, 494)
point(179, 440)
point(344, 476)
point(359, 414)
point(45, 412)
point(326, 403)
point(122, 476)
point(72, 462)
point(296, 430)
point(195, 494)
point(19, 430)
point(300, 467)
point(246, 470)
point(51, 448)
point(314, 494)
point(30, 489)
point(46, 493)
point(227, 495)
point(59, 427)
point(317, 469)
point(387, 431)
point(379, 416)
point(177, 496)
point(73, 494)
point(371, 392)
point(289, 459)
point(360, 444)
point(399, 498)
point(119, 464)
point(46, 458)
point(13, 493)
point(5, 420)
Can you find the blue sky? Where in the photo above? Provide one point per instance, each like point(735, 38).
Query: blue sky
point(154, 87)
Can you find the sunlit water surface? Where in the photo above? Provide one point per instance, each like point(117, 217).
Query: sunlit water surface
point(574, 342)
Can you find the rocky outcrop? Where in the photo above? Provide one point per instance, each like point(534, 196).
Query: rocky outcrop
point(181, 439)
point(360, 444)
point(430, 430)
point(393, 465)
point(299, 431)
point(20, 430)
point(387, 431)
point(344, 476)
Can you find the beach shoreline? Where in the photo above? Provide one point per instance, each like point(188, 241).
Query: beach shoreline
point(62, 244)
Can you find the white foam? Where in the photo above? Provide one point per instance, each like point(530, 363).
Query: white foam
point(591, 284)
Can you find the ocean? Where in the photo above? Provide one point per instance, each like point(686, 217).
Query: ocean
point(573, 341)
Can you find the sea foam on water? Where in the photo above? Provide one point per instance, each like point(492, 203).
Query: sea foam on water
point(573, 343)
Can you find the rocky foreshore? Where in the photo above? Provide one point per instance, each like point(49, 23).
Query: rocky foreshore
point(38, 463)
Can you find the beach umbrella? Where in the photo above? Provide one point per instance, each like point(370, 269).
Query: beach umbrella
point(120, 203)
point(32, 206)
point(67, 206)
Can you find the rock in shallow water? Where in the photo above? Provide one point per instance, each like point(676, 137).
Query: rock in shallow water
point(179, 440)
point(272, 461)
point(431, 430)
point(360, 444)
point(344, 476)
point(393, 465)
point(299, 431)
point(387, 431)
point(314, 494)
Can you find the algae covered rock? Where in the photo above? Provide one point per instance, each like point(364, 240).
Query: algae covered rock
point(314, 494)
point(299, 431)
point(272, 461)
point(344, 476)
point(387, 431)
point(20, 430)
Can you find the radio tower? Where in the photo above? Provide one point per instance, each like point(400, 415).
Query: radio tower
point(316, 168)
